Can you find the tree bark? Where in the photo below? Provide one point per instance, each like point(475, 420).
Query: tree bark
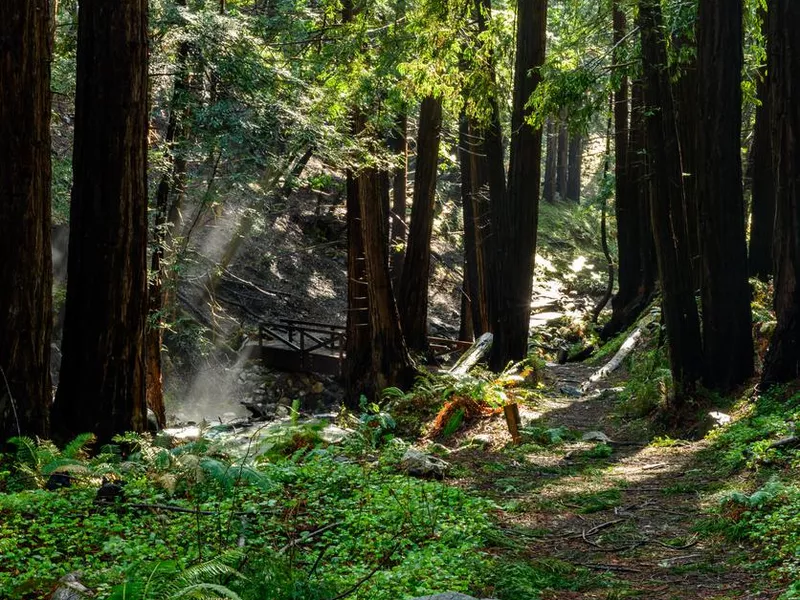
point(635, 237)
point(358, 335)
point(102, 381)
point(762, 216)
point(398, 143)
point(668, 214)
point(26, 269)
point(782, 362)
point(562, 159)
point(688, 120)
point(574, 170)
point(391, 365)
point(515, 218)
point(549, 185)
point(472, 164)
point(727, 320)
point(413, 293)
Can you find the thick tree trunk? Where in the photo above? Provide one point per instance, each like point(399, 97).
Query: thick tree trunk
point(688, 120)
point(668, 214)
point(358, 334)
point(727, 320)
point(574, 171)
point(762, 216)
point(782, 362)
point(635, 237)
point(562, 160)
point(26, 273)
point(413, 294)
point(398, 143)
point(473, 191)
point(391, 365)
point(515, 218)
point(102, 382)
point(549, 185)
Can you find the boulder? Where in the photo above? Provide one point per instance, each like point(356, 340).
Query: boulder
point(419, 464)
point(70, 588)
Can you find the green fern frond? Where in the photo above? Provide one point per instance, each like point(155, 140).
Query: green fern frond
point(218, 471)
point(26, 450)
point(212, 569)
point(65, 465)
point(77, 447)
point(203, 590)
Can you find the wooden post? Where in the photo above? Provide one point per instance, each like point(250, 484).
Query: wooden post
point(512, 418)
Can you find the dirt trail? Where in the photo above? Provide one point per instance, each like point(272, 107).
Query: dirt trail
point(629, 513)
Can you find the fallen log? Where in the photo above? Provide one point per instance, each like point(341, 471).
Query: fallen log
point(612, 365)
point(472, 356)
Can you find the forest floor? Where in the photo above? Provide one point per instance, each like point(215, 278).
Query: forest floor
point(622, 519)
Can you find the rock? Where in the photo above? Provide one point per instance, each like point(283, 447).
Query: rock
point(418, 464)
point(334, 435)
point(482, 439)
point(70, 588)
point(595, 436)
point(571, 391)
point(317, 388)
point(282, 411)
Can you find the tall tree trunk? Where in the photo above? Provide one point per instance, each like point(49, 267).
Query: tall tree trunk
point(26, 269)
point(574, 170)
point(170, 180)
point(495, 175)
point(727, 320)
point(668, 214)
point(358, 335)
point(782, 362)
point(562, 159)
point(472, 163)
point(102, 382)
point(413, 293)
point(391, 365)
point(550, 160)
point(762, 216)
point(398, 143)
point(637, 263)
point(688, 120)
point(639, 173)
point(515, 218)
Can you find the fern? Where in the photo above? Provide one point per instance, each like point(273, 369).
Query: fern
point(76, 449)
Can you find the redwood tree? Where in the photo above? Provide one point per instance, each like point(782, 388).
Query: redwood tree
point(727, 335)
point(391, 365)
point(782, 362)
point(413, 293)
point(515, 216)
point(102, 381)
point(25, 261)
point(668, 213)
point(762, 214)
point(574, 169)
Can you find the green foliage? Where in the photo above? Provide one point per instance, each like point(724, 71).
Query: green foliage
point(649, 383)
point(528, 580)
point(455, 421)
point(255, 533)
point(548, 436)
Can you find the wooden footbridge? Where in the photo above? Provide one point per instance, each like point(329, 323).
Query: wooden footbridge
point(313, 347)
